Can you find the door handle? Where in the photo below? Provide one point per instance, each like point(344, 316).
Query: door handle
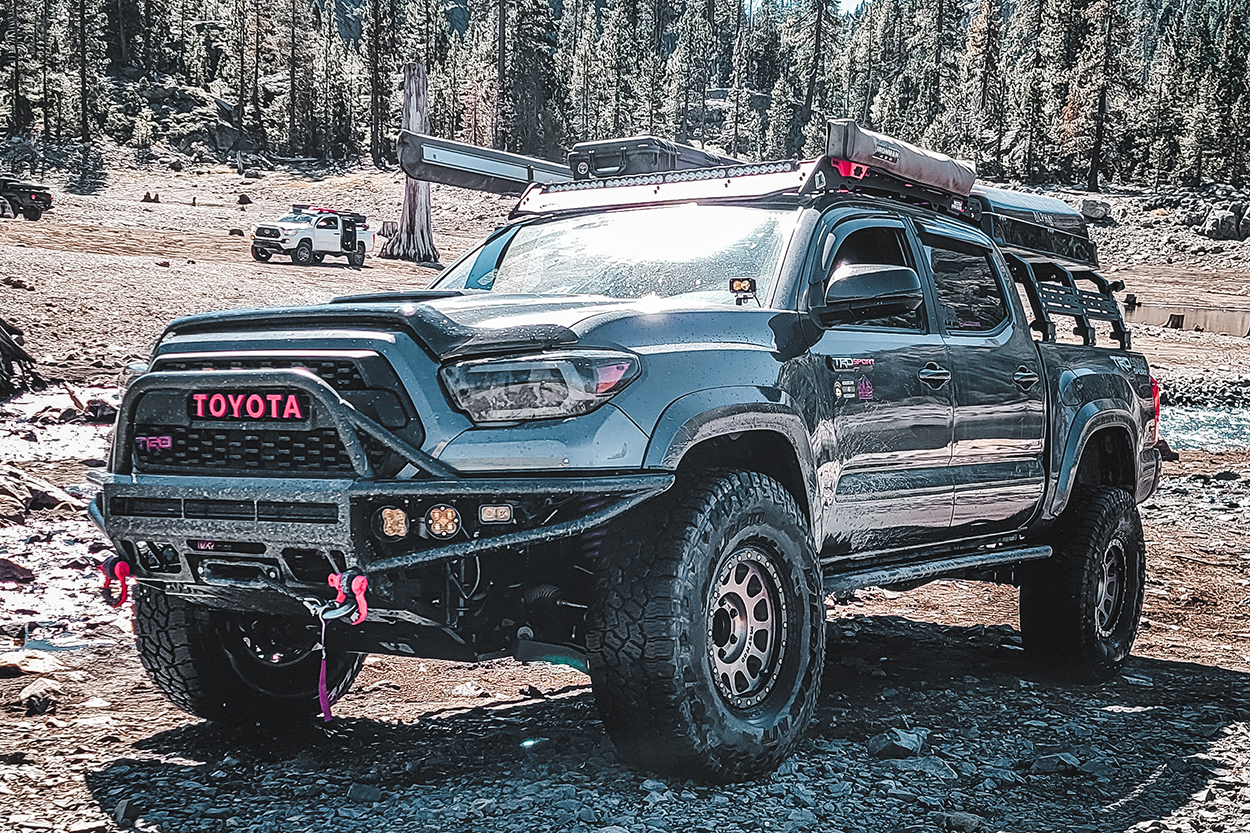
point(934, 376)
point(1026, 378)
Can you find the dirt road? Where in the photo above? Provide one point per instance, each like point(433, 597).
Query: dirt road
point(425, 745)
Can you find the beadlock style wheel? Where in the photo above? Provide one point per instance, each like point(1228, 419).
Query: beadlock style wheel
point(1109, 599)
point(746, 628)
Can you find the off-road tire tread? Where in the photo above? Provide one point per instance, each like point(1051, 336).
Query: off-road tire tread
point(170, 633)
point(641, 700)
point(1054, 593)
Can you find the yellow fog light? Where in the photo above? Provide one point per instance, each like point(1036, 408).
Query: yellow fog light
point(442, 521)
point(393, 522)
point(495, 513)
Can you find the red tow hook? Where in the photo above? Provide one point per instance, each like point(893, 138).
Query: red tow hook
point(115, 568)
point(358, 585)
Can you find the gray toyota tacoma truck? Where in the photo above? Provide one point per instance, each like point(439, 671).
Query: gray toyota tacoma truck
point(645, 429)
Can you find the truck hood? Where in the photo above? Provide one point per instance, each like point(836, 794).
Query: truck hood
point(449, 324)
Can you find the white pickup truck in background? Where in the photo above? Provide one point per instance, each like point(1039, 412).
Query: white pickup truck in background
point(309, 233)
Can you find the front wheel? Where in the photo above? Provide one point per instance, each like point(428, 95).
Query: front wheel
point(706, 632)
point(32, 212)
point(302, 254)
point(235, 668)
point(260, 254)
point(1079, 609)
point(356, 259)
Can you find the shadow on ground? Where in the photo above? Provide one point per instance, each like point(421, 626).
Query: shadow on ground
point(1138, 748)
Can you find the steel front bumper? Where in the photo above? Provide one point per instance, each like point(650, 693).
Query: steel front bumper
point(234, 537)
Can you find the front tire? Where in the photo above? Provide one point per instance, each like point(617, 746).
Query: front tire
point(706, 632)
point(230, 668)
point(260, 254)
point(1079, 609)
point(302, 254)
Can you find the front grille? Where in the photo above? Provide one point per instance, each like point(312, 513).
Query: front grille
point(340, 374)
point(265, 231)
point(316, 451)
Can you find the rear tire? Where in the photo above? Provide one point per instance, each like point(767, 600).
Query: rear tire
point(260, 254)
point(207, 662)
point(302, 254)
point(1079, 609)
point(685, 683)
point(32, 212)
point(356, 259)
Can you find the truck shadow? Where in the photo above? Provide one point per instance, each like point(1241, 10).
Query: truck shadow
point(1136, 748)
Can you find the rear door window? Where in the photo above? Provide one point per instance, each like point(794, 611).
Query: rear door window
point(969, 288)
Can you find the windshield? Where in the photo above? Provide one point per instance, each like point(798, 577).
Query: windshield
point(298, 219)
point(673, 250)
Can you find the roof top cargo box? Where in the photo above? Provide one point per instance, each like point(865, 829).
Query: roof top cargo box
point(851, 143)
point(639, 155)
point(1034, 223)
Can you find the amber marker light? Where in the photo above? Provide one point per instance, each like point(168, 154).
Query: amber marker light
point(394, 522)
point(442, 521)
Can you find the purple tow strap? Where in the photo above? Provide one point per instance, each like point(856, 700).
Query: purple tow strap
point(322, 694)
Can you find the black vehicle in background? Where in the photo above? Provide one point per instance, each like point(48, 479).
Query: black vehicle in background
point(28, 199)
point(644, 429)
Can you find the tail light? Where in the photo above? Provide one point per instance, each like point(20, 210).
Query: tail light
point(1154, 393)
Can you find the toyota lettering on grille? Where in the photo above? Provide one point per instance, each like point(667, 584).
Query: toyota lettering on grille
point(248, 406)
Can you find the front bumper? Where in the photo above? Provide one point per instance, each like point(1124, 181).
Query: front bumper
point(269, 244)
point(266, 533)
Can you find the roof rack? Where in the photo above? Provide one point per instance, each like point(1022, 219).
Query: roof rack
point(306, 208)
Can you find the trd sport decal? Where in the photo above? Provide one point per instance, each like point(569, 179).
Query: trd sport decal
point(283, 406)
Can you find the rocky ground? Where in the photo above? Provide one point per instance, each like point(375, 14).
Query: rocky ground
point(430, 745)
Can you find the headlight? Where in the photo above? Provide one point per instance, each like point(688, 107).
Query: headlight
point(541, 386)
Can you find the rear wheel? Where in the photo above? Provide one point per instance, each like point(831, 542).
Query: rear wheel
point(357, 258)
point(302, 254)
point(1079, 609)
point(260, 254)
point(32, 212)
point(235, 668)
point(706, 635)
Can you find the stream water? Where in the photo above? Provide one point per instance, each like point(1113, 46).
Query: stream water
point(1208, 429)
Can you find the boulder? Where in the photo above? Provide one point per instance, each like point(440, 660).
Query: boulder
point(1220, 225)
point(1095, 209)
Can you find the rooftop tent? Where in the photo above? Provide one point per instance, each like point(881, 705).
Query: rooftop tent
point(852, 144)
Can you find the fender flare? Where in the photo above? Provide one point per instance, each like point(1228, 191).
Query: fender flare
point(719, 412)
point(1089, 419)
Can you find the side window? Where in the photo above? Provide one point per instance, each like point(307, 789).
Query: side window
point(883, 245)
point(969, 292)
point(328, 222)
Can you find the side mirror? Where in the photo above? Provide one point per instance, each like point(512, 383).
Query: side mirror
point(865, 291)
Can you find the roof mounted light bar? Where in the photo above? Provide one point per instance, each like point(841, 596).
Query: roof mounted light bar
point(729, 182)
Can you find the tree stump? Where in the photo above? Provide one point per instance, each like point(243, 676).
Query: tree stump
point(414, 237)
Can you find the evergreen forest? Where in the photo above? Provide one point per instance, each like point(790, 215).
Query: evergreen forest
point(1077, 91)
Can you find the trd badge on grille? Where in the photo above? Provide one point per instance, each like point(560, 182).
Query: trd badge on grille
point(253, 406)
point(154, 443)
